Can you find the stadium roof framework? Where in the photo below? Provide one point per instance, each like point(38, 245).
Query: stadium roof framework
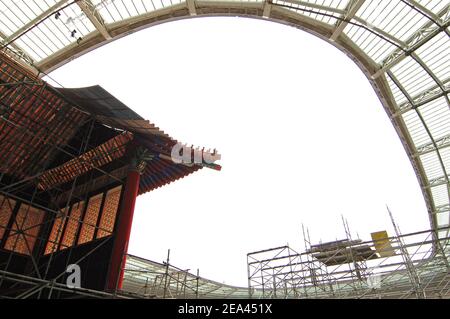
point(402, 47)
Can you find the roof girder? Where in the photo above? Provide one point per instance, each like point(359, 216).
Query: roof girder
point(95, 17)
point(351, 11)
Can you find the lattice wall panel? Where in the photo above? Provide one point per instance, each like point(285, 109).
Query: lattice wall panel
point(55, 234)
point(25, 230)
point(72, 225)
point(6, 208)
point(109, 213)
point(90, 219)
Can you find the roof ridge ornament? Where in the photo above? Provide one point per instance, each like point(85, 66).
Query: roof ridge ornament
point(140, 159)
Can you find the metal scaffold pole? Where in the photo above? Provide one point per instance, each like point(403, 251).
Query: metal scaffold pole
point(197, 279)
point(166, 275)
point(340, 269)
point(415, 279)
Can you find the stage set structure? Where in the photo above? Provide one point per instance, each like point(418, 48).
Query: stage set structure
point(72, 163)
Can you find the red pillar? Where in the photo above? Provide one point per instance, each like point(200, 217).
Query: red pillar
point(123, 231)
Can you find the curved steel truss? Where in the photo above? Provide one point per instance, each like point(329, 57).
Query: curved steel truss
point(402, 46)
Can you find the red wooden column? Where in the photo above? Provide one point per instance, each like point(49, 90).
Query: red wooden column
point(123, 231)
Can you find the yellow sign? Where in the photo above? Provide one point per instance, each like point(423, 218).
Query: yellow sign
point(382, 244)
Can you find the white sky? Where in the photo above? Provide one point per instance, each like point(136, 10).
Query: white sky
point(303, 139)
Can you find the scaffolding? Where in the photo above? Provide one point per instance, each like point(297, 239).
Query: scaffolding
point(64, 161)
point(399, 266)
point(151, 279)
point(163, 281)
point(413, 265)
point(36, 123)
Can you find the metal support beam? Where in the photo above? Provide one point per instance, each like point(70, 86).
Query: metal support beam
point(442, 209)
point(35, 21)
point(343, 20)
point(94, 16)
point(410, 267)
point(423, 9)
point(438, 181)
point(415, 41)
point(191, 7)
point(17, 51)
point(351, 12)
point(312, 5)
point(266, 9)
point(379, 31)
point(439, 144)
point(422, 98)
point(427, 183)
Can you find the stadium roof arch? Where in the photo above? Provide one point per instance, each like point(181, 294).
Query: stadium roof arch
point(402, 46)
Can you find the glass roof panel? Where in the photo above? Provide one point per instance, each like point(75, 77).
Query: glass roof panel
point(437, 116)
point(374, 45)
point(28, 42)
point(412, 76)
point(443, 218)
point(430, 164)
point(445, 155)
point(440, 195)
point(394, 17)
point(107, 10)
point(15, 14)
point(416, 128)
point(318, 10)
point(436, 55)
point(398, 95)
point(433, 5)
point(76, 19)
point(323, 15)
